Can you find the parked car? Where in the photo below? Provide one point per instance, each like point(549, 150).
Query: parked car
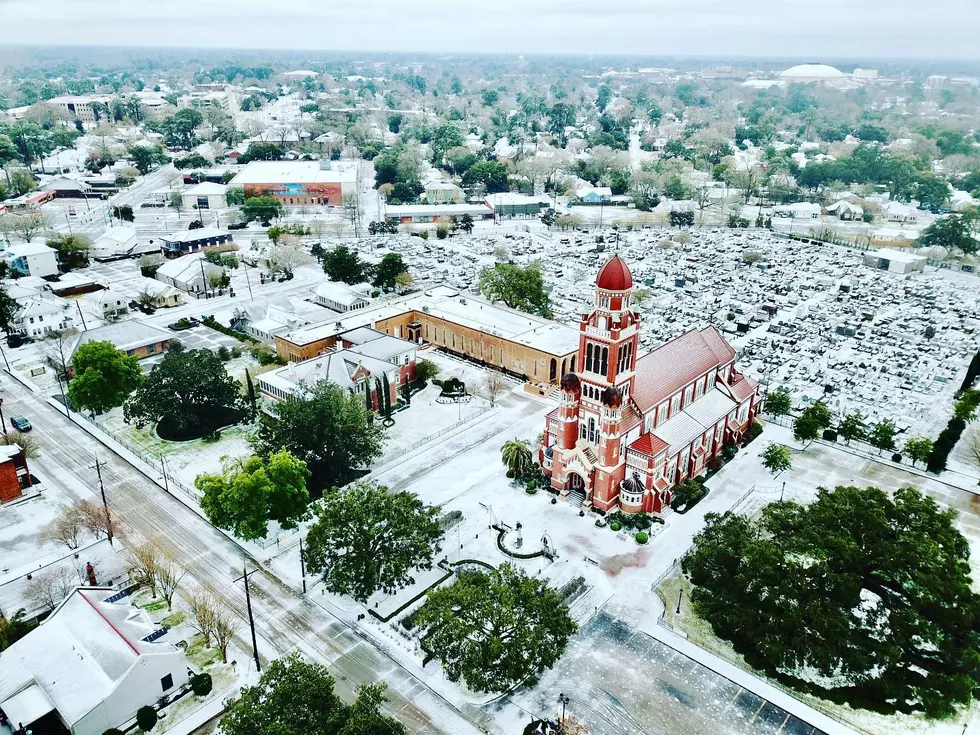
point(20, 423)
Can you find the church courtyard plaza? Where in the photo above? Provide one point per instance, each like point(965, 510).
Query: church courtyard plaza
point(618, 613)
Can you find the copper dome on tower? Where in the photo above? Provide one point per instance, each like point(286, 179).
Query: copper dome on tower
point(612, 398)
point(615, 275)
point(571, 383)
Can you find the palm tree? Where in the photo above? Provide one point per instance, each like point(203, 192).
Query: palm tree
point(517, 456)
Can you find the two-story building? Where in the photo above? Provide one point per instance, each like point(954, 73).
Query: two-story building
point(631, 427)
point(32, 259)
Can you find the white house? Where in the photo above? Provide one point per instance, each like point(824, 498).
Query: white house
point(33, 259)
point(206, 195)
point(115, 242)
point(898, 212)
point(93, 662)
point(163, 295)
point(341, 297)
point(845, 210)
point(798, 210)
point(42, 315)
point(188, 273)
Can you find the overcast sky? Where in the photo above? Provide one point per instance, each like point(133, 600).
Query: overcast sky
point(800, 29)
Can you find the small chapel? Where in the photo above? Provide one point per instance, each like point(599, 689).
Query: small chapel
point(629, 428)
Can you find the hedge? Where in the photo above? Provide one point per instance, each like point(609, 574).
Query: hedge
point(210, 321)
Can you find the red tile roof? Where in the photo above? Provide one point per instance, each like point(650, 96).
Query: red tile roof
point(670, 367)
point(742, 388)
point(615, 275)
point(649, 444)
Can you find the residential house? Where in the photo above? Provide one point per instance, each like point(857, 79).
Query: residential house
point(42, 315)
point(798, 210)
point(901, 213)
point(32, 259)
point(594, 195)
point(162, 295)
point(14, 473)
point(190, 273)
point(131, 336)
point(845, 210)
point(90, 665)
point(193, 241)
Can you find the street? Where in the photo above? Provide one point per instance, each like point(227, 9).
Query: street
point(284, 620)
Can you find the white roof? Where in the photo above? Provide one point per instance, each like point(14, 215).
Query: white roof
point(30, 705)
point(125, 335)
point(336, 367)
point(899, 256)
point(204, 233)
point(295, 172)
point(179, 266)
point(512, 199)
point(812, 71)
point(436, 210)
point(79, 654)
point(603, 191)
point(24, 249)
point(441, 186)
point(206, 189)
point(466, 310)
point(339, 292)
point(120, 235)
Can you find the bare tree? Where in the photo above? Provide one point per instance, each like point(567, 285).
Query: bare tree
point(28, 444)
point(203, 609)
point(28, 225)
point(168, 576)
point(352, 211)
point(225, 625)
point(57, 349)
point(144, 560)
point(287, 257)
point(971, 443)
point(97, 520)
point(493, 385)
point(68, 528)
point(50, 586)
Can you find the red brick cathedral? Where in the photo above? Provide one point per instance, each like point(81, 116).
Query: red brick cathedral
point(629, 427)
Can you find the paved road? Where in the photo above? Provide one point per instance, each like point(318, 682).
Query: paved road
point(286, 621)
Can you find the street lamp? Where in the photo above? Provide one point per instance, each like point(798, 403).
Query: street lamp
point(565, 700)
point(680, 594)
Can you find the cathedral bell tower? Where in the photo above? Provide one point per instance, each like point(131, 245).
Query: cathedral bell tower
point(609, 335)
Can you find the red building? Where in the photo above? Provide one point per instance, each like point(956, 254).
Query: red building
point(631, 427)
point(14, 474)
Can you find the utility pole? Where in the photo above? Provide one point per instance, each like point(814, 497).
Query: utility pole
point(248, 281)
point(105, 504)
point(81, 316)
point(251, 620)
point(64, 396)
point(166, 483)
point(4, 354)
point(3, 423)
point(302, 563)
point(680, 594)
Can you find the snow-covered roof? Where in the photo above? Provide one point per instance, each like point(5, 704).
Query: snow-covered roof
point(203, 233)
point(808, 72)
point(340, 293)
point(295, 172)
point(205, 189)
point(125, 335)
point(898, 256)
point(178, 267)
point(24, 249)
point(79, 654)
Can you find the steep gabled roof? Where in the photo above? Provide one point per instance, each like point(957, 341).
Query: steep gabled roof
point(670, 367)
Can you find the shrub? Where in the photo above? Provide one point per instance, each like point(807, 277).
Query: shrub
point(213, 438)
point(715, 464)
point(752, 433)
point(729, 451)
point(201, 684)
point(641, 537)
point(897, 458)
point(829, 435)
point(113, 731)
point(510, 474)
point(424, 234)
point(530, 491)
point(554, 501)
point(236, 351)
point(224, 354)
point(146, 718)
point(614, 526)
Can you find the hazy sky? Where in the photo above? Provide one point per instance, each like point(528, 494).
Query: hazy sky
point(814, 30)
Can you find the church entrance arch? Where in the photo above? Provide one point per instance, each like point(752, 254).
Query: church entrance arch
point(553, 373)
point(575, 482)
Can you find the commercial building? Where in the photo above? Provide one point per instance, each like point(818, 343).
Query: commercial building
point(79, 107)
point(360, 359)
point(433, 212)
point(193, 241)
point(443, 192)
point(42, 315)
point(89, 666)
point(114, 243)
point(206, 195)
point(524, 345)
point(342, 297)
point(631, 427)
point(895, 261)
point(507, 204)
point(14, 473)
point(300, 183)
point(32, 259)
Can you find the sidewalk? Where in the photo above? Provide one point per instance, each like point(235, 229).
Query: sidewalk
point(750, 682)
